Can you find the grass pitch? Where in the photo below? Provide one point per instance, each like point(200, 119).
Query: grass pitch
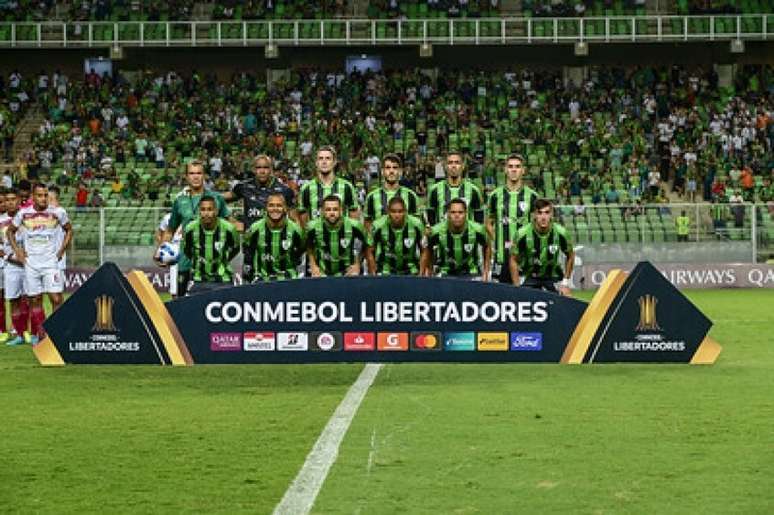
point(427, 438)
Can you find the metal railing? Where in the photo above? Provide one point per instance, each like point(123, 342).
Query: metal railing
point(743, 233)
point(464, 31)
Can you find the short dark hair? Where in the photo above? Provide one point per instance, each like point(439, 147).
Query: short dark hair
point(39, 185)
point(207, 198)
point(25, 185)
point(332, 198)
point(395, 158)
point(541, 203)
point(276, 194)
point(397, 199)
point(455, 152)
point(12, 191)
point(457, 201)
point(54, 189)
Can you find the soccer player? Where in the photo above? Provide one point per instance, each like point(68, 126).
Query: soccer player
point(508, 209)
point(13, 273)
point(335, 243)
point(396, 241)
point(4, 221)
point(53, 201)
point(458, 247)
point(254, 194)
point(40, 253)
point(325, 183)
point(454, 187)
point(275, 243)
point(210, 243)
point(535, 252)
point(376, 201)
point(184, 210)
point(159, 238)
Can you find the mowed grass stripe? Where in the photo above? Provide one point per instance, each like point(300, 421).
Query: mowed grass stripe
point(550, 438)
point(139, 439)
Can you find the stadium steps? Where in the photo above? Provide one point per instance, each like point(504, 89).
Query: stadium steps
point(22, 141)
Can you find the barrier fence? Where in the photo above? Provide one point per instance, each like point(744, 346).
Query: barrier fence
point(717, 233)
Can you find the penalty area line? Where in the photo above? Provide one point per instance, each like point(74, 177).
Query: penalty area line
point(300, 496)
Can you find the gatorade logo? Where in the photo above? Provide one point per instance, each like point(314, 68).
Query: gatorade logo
point(392, 342)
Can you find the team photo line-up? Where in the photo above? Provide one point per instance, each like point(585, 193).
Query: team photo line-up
point(510, 237)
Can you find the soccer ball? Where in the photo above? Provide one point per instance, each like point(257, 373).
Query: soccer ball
point(169, 253)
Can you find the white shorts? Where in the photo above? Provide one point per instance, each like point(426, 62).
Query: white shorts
point(173, 280)
point(45, 280)
point(13, 282)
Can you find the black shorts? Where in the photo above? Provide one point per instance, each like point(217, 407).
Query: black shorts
point(537, 283)
point(183, 282)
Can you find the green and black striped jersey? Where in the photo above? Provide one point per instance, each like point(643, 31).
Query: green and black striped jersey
point(440, 194)
point(539, 254)
point(397, 251)
point(210, 251)
point(313, 192)
point(458, 253)
point(185, 209)
point(509, 211)
point(276, 252)
point(336, 248)
point(377, 201)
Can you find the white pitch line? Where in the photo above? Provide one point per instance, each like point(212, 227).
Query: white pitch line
point(300, 496)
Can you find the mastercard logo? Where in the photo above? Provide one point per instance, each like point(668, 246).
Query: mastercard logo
point(426, 341)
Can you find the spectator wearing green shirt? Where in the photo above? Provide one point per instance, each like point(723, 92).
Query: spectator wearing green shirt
point(683, 225)
point(184, 209)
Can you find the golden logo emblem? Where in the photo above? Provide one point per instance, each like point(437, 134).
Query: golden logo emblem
point(648, 320)
point(104, 318)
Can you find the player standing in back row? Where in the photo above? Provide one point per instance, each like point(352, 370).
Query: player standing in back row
point(13, 274)
point(41, 253)
point(454, 187)
point(377, 200)
point(508, 210)
point(325, 183)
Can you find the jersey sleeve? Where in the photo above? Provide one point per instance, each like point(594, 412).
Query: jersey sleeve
point(350, 197)
point(238, 190)
point(491, 207)
point(17, 219)
point(232, 237)
point(174, 218)
point(298, 242)
point(477, 205)
point(369, 207)
point(61, 215)
point(565, 243)
point(249, 236)
point(290, 197)
point(431, 211)
point(186, 244)
point(223, 210)
point(482, 238)
point(303, 202)
point(413, 207)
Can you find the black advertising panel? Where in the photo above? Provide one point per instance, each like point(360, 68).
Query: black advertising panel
point(389, 319)
point(105, 322)
point(648, 321)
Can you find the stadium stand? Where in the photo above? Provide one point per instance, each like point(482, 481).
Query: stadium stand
point(601, 144)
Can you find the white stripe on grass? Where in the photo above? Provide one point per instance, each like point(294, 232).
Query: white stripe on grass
point(300, 496)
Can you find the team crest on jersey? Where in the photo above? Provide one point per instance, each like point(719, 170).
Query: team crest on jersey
point(408, 242)
point(553, 248)
point(286, 244)
point(219, 246)
point(468, 247)
point(523, 205)
point(344, 242)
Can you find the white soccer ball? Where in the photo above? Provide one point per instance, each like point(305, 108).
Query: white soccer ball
point(169, 253)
